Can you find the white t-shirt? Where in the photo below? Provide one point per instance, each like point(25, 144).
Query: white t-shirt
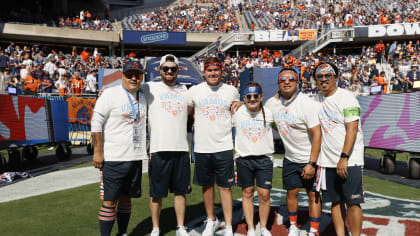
point(213, 121)
point(252, 138)
point(336, 110)
point(91, 80)
point(293, 119)
point(168, 115)
point(116, 108)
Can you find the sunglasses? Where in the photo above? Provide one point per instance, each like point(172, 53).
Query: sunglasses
point(249, 96)
point(130, 75)
point(284, 78)
point(327, 76)
point(172, 68)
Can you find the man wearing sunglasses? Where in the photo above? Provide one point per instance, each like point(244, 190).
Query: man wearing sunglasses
point(169, 163)
point(295, 115)
point(211, 102)
point(119, 140)
point(341, 157)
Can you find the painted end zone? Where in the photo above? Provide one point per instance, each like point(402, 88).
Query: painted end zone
point(382, 216)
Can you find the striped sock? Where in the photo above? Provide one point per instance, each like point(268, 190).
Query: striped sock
point(293, 218)
point(123, 216)
point(315, 224)
point(106, 220)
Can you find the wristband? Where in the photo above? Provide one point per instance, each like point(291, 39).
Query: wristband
point(312, 163)
point(343, 155)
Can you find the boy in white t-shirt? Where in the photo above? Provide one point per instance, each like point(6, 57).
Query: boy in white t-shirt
point(211, 102)
point(169, 163)
point(295, 115)
point(341, 158)
point(119, 140)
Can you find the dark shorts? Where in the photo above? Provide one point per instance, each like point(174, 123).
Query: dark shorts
point(120, 177)
point(251, 168)
point(292, 178)
point(348, 190)
point(169, 170)
point(214, 167)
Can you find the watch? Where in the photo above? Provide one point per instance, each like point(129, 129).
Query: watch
point(312, 163)
point(343, 155)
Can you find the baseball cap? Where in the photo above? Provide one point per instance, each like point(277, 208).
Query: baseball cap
point(168, 58)
point(134, 66)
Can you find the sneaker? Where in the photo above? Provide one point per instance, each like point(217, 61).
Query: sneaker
point(293, 231)
point(251, 232)
point(265, 232)
point(312, 234)
point(228, 231)
point(181, 231)
point(211, 226)
point(155, 232)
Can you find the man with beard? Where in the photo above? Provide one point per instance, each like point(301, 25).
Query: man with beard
point(342, 151)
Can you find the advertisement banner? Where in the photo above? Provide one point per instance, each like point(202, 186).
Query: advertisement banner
point(307, 34)
point(80, 109)
point(186, 75)
point(154, 37)
point(261, 36)
point(22, 121)
point(391, 121)
point(391, 30)
point(109, 78)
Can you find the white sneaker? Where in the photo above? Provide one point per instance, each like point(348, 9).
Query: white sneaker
point(211, 226)
point(155, 232)
point(265, 232)
point(228, 231)
point(293, 231)
point(181, 231)
point(311, 234)
point(251, 232)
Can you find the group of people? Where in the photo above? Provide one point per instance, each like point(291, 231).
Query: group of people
point(86, 21)
point(217, 17)
point(35, 63)
point(359, 72)
point(284, 15)
point(322, 138)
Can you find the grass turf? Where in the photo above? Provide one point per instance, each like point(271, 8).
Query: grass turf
point(74, 211)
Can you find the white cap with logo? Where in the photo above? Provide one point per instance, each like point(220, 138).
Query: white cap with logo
point(168, 58)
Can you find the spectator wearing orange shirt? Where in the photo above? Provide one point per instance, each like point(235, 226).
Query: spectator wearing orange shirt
point(85, 55)
point(380, 79)
point(31, 85)
point(77, 85)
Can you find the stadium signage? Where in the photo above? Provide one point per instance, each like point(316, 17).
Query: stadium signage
point(276, 35)
point(388, 30)
point(153, 37)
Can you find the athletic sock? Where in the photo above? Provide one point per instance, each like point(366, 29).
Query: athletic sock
point(123, 216)
point(315, 225)
point(293, 218)
point(106, 220)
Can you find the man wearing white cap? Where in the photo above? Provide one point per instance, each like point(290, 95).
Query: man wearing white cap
point(169, 163)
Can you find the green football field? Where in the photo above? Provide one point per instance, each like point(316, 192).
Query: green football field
point(74, 211)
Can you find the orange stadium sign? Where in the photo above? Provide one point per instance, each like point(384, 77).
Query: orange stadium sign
point(307, 34)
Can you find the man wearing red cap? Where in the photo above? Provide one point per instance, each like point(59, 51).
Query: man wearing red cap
point(211, 102)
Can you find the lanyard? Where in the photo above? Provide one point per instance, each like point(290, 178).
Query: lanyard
point(133, 108)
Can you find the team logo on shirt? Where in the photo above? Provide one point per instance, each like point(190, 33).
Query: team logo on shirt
point(328, 119)
point(173, 102)
point(254, 129)
point(127, 113)
point(213, 107)
point(285, 121)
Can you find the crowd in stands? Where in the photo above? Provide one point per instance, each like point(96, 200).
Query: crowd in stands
point(364, 72)
point(85, 20)
point(316, 14)
point(218, 16)
point(34, 69)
